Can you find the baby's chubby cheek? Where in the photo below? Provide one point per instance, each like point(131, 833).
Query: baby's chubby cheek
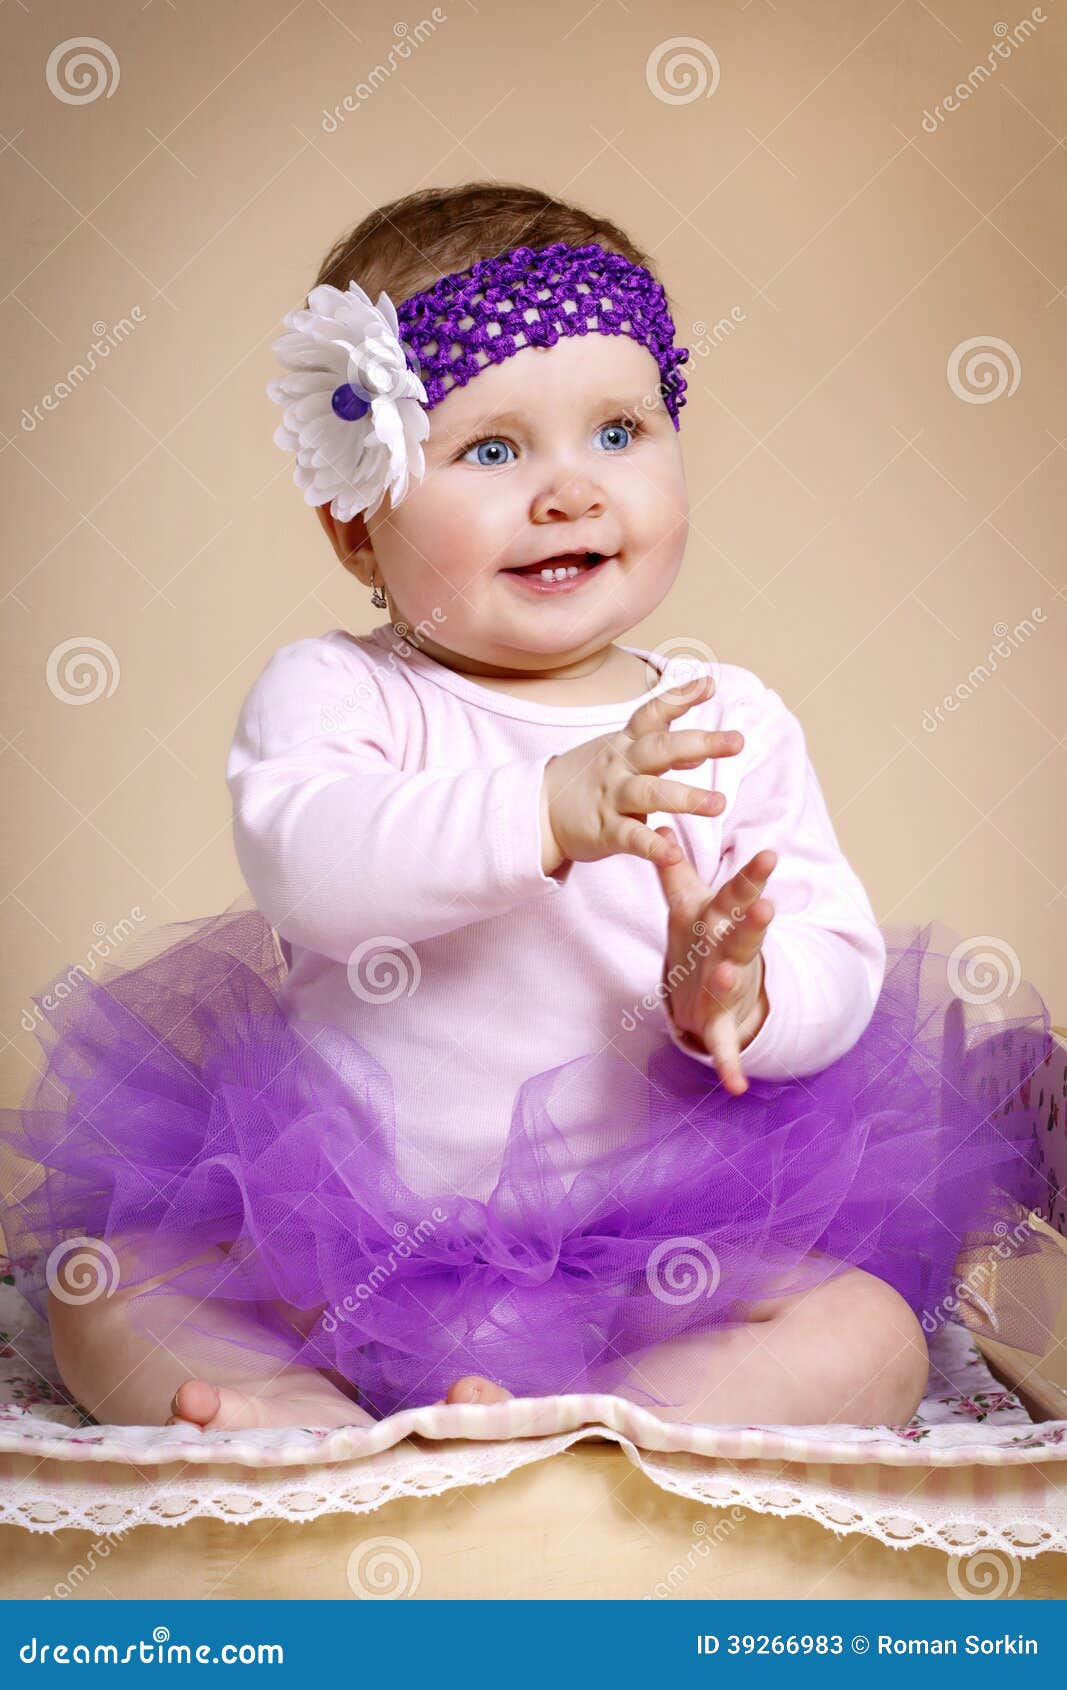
point(653, 549)
point(657, 507)
point(432, 556)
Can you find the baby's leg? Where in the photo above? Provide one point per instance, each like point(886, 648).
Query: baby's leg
point(126, 1377)
point(847, 1350)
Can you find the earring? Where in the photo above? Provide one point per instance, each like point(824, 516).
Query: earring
point(378, 598)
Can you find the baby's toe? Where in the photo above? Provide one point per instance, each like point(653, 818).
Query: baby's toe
point(195, 1400)
point(473, 1388)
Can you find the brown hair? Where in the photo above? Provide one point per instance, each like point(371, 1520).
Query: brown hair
point(409, 244)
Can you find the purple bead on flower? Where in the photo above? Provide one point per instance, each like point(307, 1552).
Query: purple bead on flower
point(348, 404)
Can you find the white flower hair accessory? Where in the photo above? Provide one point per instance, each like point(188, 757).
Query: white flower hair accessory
point(353, 407)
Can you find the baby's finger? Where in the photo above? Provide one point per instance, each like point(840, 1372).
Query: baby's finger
point(652, 753)
point(743, 888)
point(636, 839)
point(740, 938)
point(661, 711)
point(722, 1042)
point(682, 885)
point(646, 795)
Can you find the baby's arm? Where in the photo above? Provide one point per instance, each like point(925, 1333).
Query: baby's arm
point(823, 954)
point(339, 844)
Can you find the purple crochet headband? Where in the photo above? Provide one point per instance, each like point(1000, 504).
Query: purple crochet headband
point(530, 297)
point(359, 377)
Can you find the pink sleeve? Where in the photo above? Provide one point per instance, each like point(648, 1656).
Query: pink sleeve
point(338, 844)
point(824, 954)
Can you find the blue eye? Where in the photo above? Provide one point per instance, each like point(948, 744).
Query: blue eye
point(616, 428)
point(493, 451)
point(492, 445)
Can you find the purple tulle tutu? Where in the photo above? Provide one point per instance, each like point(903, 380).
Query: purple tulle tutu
point(197, 1143)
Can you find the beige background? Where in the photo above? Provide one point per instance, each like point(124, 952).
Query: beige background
point(859, 529)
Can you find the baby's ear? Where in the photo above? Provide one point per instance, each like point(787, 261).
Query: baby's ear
point(350, 541)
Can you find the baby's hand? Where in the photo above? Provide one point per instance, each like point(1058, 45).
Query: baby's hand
point(596, 797)
point(714, 964)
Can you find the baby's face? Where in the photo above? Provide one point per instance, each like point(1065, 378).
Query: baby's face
point(554, 453)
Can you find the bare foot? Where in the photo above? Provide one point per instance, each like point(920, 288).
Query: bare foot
point(214, 1408)
point(473, 1388)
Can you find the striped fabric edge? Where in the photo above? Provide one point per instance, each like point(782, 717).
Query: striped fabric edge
point(535, 1417)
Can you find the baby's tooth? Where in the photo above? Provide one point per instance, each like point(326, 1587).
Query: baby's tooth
point(562, 573)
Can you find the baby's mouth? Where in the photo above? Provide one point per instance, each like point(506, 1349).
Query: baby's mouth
point(561, 567)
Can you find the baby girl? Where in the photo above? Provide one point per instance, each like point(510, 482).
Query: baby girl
point(578, 1075)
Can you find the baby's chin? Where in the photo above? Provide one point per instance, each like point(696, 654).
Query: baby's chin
point(528, 654)
point(494, 617)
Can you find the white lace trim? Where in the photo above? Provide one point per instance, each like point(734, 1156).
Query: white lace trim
point(970, 1471)
point(855, 1501)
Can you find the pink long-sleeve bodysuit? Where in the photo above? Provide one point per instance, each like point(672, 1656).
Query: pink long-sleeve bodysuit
point(385, 803)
